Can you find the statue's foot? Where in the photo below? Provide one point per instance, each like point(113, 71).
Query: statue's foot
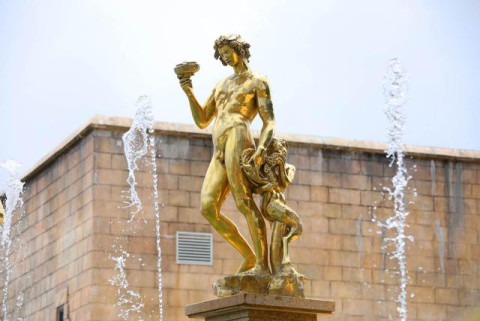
point(256, 270)
point(247, 264)
point(287, 268)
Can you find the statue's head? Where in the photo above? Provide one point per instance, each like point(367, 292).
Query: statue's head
point(277, 145)
point(230, 48)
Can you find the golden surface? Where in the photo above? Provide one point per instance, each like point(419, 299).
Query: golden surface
point(186, 69)
point(2, 213)
point(270, 180)
point(234, 103)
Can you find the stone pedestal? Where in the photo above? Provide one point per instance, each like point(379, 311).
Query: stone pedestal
point(257, 307)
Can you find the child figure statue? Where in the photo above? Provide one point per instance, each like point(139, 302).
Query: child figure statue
point(270, 180)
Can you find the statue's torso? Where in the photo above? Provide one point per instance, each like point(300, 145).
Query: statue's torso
point(235, 102)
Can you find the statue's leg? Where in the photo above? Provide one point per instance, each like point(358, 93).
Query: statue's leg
point(242, 194)
point(281, 239)
point(279, 229)
point(280, 212)
point(214, 191)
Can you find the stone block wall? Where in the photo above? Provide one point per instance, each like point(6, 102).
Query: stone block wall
point(52, 261)
point(337, 192)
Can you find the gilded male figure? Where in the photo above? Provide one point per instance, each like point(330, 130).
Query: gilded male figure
point(234, 103)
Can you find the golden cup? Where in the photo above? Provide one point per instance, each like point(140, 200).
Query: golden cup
point(186, 69)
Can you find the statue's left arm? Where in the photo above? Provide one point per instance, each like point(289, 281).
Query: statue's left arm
point(265, 109)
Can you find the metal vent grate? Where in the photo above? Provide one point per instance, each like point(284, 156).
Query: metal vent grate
point(194, 248)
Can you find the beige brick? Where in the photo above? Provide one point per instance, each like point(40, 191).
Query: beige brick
point(200, 153)
point(299, 193)
point(169, 214)
point(431, 312)
point(344, 196)
point(422, 294)
point(357, 307)
point(162, 165)
point(303, 209)
point(321, 289)
point(178, 198)
point(181, 167)
point(423, 203)
point(318, 225)
point(102, 192)
point(314, 271)
point(198, 168)
point(168, 182)
point(345, 227)
point(332, 273)
point(344, 165)
point(317, 162)
point(319, 194)
point(102, 312)
point(190, 183)
point(446, 296)
point(371, 198)
point(108, 145)
point(346, 259)
point(332, 179)
point(118, 161)
point(360, 182)
point(351, 290)
point(372, 261)
point(357, 275)
point(103, 160)
point(299, 161)
point(111, 177)
point(194, 200)
point(304, 177)
point(374, 292)
point(332, 210)
point(421, 232)
point(190, 215)
point(329, 242)
point(476, 191)
point(371, 168)
point(421, 263)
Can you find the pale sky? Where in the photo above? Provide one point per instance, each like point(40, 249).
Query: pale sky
point(62, 62)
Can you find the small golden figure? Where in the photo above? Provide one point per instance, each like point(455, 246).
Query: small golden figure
point(271, 179)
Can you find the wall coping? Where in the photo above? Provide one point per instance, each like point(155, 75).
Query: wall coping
point(122, 123)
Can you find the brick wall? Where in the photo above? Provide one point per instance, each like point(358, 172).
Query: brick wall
point(52, 261)
point(336, 192)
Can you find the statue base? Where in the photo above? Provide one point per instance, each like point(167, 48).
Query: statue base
point(284, 284)
point(256, 307)
point(287, 284)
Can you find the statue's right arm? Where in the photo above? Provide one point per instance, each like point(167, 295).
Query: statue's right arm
point(201, 115)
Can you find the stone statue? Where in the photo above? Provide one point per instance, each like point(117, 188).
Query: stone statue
point(240, 168)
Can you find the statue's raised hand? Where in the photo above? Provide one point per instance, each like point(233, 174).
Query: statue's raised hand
point(184, 71)
point(186, 84)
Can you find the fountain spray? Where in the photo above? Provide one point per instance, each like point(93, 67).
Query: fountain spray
point(395, 91)
point(13, 203)
point(139, 145)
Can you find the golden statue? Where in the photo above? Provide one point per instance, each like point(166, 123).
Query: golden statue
point(234, 103)
point(2, 213)
point(270, 179)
